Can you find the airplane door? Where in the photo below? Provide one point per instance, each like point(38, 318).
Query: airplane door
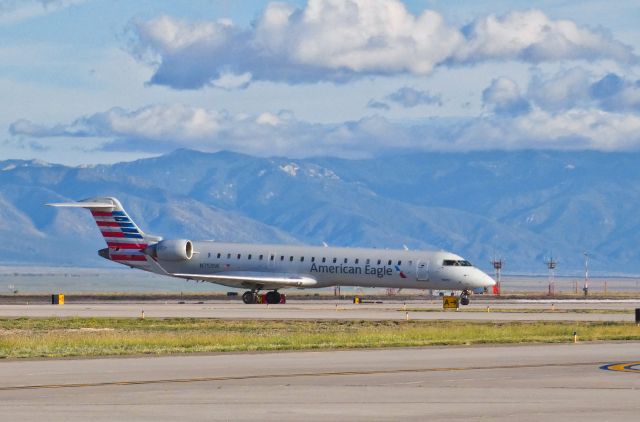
point(422, 271)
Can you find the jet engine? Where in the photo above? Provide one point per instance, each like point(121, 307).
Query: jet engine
point(171, 250)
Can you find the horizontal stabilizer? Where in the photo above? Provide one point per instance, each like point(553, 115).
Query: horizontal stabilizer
point(82, 204)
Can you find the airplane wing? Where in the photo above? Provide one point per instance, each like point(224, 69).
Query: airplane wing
point(250, 279)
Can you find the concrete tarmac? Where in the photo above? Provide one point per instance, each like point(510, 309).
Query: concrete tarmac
point(622, 310)
point(521, 382)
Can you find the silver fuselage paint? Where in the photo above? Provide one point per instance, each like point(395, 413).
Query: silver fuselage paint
point(332, 266)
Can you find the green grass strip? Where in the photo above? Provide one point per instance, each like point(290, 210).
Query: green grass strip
point(63, 337)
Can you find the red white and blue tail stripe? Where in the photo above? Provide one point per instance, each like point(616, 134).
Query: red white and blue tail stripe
point(125, 240)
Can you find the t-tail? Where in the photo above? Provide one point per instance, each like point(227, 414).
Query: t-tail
point(125, 240)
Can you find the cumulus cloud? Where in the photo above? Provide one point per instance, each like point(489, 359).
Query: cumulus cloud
point(566, 89)
point(162, 128)
point(411, 97)
point(162, 123)
point(406, 97)
point(337, 40)
point(578, 88)
point(12, 11)
point(613, 92)
point(567, 130)
point(534, 37)
point(503, 96)
point(380, 105)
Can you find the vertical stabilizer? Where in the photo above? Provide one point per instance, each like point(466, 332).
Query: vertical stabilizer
point(125, 240)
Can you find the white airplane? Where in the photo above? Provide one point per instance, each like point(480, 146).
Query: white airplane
point(273, 267)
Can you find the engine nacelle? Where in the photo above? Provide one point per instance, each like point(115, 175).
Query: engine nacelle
point(171, 250)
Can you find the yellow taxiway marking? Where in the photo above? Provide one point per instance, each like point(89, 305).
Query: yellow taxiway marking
point(623, 367)
point(291, 375)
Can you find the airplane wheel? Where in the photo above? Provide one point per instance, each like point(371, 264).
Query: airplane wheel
point(464, 301)
point(249, 298)
point(273, 297)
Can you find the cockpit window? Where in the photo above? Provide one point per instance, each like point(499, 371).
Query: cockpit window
point(456, 263)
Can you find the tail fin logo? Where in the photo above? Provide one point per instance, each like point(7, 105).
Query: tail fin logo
point(124, 239)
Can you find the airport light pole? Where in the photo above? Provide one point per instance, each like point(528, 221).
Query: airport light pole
point(585, 289)
point(551, 265)
point(497, 266)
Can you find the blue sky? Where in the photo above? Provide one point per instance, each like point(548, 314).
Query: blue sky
point(85, 82)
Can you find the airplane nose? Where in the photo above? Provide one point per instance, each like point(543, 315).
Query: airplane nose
point(484, 280)
point(489, 281)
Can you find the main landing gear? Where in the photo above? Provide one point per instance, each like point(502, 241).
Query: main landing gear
point(464, 297)
point(251, 297)
point(273, 297)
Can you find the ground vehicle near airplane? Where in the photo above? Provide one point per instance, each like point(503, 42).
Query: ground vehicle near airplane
point(272, 267)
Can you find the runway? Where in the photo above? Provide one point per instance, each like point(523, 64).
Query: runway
point(494, 310)
point(525, 383)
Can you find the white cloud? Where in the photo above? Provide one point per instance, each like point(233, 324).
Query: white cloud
point(162, 123)
point(380, 105)
point(411, 97)
point(613, 92)
point(568, 130)
point(12, 11)
point(576, 87)
point(268, 119)
point(336, 40)
point(503, 96)
point(567, 89)
point(534, 37)
point(162, 128)
point(231, 81)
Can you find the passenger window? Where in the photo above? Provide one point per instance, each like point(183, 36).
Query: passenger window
point(272, 257)
point(281, 257)
point(313, 259)
point(357, 260)
point(345, 260)
point(379, 262)
point(389, 263)
point(368, 261)
point(399, 262)
point(302, 259)
point(290, 258)
point(335, 260)
point(218, 256)
point(249, 257)
point(324, 259)
point(228, 256)
point(260, 257)
point(410, 262)
point(239, 255)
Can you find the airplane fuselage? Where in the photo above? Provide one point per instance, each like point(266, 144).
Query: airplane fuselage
point(331, 266)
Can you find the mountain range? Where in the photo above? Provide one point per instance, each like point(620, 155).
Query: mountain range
point(521, 206)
